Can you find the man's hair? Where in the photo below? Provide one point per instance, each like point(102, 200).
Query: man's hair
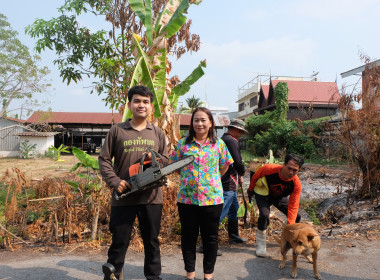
point(296, 158)
point(140, 90)
point(211, 132)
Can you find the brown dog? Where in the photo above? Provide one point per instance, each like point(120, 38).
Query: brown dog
point(304, 240)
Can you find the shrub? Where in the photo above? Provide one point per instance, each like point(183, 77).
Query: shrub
point(27, 149)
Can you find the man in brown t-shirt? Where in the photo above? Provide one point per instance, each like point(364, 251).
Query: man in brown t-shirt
point(125, 144)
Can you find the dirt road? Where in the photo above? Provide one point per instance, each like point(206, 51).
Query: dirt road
point(339, 259)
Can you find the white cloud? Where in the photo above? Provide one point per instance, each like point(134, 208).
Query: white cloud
point(334, 10)
point(285, 50)
point(78, 92)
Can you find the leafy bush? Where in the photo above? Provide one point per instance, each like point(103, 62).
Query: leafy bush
point(27, 149)
point(294, 136)
point(53, 154)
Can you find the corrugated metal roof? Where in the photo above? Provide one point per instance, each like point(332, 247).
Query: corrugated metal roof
point(36, 134)
point(102, 118)
point(311, 91)
point(14, 119)
point(359, 69)
point(74, 117)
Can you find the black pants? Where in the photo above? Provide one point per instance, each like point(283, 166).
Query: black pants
point(206, 219)
point(264, 203)
point(121, 224)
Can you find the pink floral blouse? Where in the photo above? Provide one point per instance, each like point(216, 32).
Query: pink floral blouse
point(200, 181)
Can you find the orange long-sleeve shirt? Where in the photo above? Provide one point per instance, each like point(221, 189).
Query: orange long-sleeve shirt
point(278, 187)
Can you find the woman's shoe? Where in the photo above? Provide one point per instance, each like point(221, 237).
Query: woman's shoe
point(190, 278)
point(209, 278)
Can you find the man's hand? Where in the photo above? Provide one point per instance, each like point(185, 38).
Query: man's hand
point(250, 194)
point(148, 156)
point(123, 186)
point(241, 180)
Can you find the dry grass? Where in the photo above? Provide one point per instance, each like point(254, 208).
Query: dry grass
point(39, 168)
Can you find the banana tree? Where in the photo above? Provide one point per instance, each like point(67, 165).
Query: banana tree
point(59, 150)
point(92, 188)
point(152, 66)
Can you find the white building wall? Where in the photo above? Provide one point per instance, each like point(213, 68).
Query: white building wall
point(245, 98)
point(43, 143)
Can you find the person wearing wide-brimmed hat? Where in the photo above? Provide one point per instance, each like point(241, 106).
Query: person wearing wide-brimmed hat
point(232, 178)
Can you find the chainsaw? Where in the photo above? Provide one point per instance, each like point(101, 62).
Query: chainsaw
point(151, 177)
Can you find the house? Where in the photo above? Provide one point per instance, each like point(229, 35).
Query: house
point(13, 132)
point(76, 129)
point(248, 96)
point(368, 93)
point(306, 99)
point(88, 130)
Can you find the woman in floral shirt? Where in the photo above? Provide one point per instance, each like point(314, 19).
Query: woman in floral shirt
point(200, 198)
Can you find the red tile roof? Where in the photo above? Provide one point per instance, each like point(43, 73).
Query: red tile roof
point(311, 91)
point(265, 91)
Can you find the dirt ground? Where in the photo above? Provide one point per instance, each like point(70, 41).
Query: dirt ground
point(350, 247)
point(40, 167)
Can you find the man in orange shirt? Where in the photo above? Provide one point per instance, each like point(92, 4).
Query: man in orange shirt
point(278, 185)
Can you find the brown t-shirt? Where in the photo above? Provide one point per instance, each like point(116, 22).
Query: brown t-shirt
point(125, 146)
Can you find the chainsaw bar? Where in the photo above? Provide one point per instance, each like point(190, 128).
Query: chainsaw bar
point(149, 178)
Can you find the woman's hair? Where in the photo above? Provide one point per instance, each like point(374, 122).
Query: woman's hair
point(211, 132)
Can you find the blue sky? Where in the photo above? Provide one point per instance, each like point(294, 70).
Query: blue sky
point(238, 39)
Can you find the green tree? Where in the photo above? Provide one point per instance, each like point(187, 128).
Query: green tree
point(20, 76)
point(107, 55)
point(281, 96)
point(152, 66)
point(191, 104)
point(134, 52)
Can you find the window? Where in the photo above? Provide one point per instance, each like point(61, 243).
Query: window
point(253, 101)
point(241, 107)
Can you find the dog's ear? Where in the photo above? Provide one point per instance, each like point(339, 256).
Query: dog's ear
point(293, 233)
point(311, 236)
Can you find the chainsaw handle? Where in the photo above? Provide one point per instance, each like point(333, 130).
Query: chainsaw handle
point(153, 157)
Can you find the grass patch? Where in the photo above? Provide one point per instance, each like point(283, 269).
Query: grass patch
point(3, 194)
point(311, 208)
point(248, 157)
point(326, 162)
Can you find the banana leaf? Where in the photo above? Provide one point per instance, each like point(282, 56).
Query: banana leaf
point(166, 13)
point(241, 210)
point(141, 75)
point(85, 159)
point(177, 19)
point(144, 12)
point(184, 87)
point(160, 77)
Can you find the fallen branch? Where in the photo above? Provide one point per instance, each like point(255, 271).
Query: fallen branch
point(18, 238)
point(46, 198)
